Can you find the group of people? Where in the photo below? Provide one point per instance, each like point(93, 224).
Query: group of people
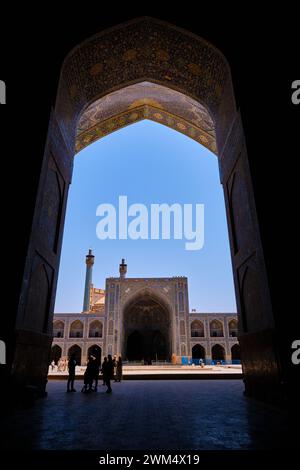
point(111, 369)
point(62, 365)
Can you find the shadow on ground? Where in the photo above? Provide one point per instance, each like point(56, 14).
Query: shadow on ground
point(148, 415)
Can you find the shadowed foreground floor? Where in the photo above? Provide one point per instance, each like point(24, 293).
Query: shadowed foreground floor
point(148, 415)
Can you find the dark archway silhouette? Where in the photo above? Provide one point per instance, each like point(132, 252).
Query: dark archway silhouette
point(159, 347)
point(200, 73)
point(56, 353)
point(152, 346)
point(218, 353)
point(96, 351)
point(147, 328)
point(135, 347)
point(198, 352)
point(236, 353)
point(75, 349)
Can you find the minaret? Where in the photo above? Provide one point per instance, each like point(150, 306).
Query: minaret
point(123, 269)
point(88, 280)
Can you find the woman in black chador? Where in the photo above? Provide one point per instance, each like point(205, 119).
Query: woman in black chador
point(108, 372)
point(89, 374)
point(119, 370)
point(71, 378)
point(103, 369)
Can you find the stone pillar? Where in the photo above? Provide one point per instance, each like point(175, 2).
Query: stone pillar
point(67, 329)
point(208, 355)
point(64, 350)
point(227, 351)
point(84, 354)
point(226, 327)
point(257, 336)
point(88, 280)
point(33, 327)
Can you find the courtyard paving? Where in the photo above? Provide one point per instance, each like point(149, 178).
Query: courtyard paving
point(148, 415)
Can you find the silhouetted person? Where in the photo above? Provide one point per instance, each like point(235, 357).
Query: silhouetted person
point(103, 369)
point(89, 374)
point(108, 373)
point(114, 359)
point(71, 368)
point(119, 370)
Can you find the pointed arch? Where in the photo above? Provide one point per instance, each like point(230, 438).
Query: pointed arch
point(233, 328)
point(56, 353)
point(197, 328)
point(198, 352)
point(218, 352)
point(96, 329)
point(236, 353)
point(77, 351)
point(183, 62)
point(76, 329)
point(58, 329)
point(216, 328)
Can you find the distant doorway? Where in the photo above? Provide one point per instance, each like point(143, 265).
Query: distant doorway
point(95, 351)
point(146, 346)
point(236, 354)
point(218, 353)
point(147, 332)
point(198, 352)
point(134, 347)
point(76, 350)
point(56, 353)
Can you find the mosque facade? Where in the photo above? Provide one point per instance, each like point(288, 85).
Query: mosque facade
point(143, 320)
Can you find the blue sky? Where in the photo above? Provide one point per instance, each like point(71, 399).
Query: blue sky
point(149, 163)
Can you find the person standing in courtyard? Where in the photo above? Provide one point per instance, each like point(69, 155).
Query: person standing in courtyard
point(71, 378)
point(89, 374)
point(103, 369)
point(108, 372)
point(119, 370)
point(114, 359)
